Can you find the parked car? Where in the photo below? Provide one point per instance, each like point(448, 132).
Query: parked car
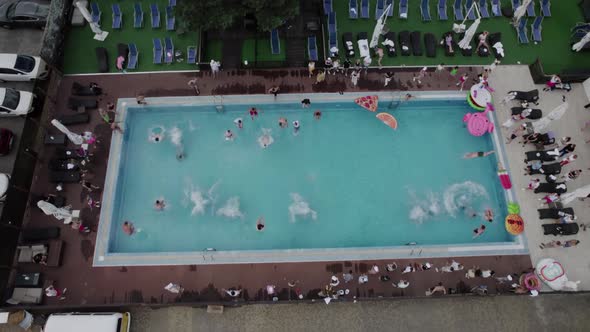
point(23, 13)
point(14, 102)
point(6, 138)
point(4, 182)
point(18, 67)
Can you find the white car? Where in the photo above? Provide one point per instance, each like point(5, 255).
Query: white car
point(18, 67)
point(14, 102)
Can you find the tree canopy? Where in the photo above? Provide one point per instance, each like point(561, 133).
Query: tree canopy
point(221, 14)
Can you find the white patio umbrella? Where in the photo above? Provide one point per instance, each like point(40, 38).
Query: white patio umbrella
point(469, 33)
point(75, 138)
point(556, 114)
point(379, 28)
point(579, 45)
point(578, 193)
point(520, 11)
point(59, 213)
point(98, 33)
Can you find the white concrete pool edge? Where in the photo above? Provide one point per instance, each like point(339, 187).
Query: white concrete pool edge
point(205, 257)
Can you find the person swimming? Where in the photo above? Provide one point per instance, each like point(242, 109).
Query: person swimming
point(479, 231)
point(296, 126)
point(253, 112)
point(159, 204)
point(128, 227)
point(229, 136)
point(317, 114)
point(489, 215)
point(283, 123)
point(260, 223)
point(479, 154)
point(239, 123)
point(156, 138)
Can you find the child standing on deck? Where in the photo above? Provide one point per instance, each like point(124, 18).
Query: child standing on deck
point(462, 81)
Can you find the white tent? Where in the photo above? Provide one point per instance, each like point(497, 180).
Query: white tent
point(379, 28)
point(75, 138)
point(578, 193)
point(469, 33)
point(98, 33)
point(556, 114)
point(520, 11)
point(579, 45)
point(59, 213)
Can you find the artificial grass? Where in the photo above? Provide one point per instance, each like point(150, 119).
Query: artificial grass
point(213, 51)
point(554, 51)
point(80, 56)
point(259, 50)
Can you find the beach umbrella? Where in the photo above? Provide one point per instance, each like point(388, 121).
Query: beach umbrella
point(579, 45)
point(379, 28)
point(578, 193)
point(521, 10)
point(51, 210)
point(98, 33)
point(556, 114)
point(469, 33)
point(75, 138)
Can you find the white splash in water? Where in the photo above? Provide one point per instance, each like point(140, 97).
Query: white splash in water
point(200, 203)
point(212, 194)
point(300, 207)
point(265, 140)
point(191, 126)
point(231, 209)
point(417, 213)
point(176, 136)
point(461, 195)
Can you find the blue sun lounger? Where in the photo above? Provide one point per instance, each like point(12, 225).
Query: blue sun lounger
point(117, 16)
point(483, 9)
point(403, 9)
point(546, 8)
point(425, 10)
point(442, 10)
point(95, 12)
point(352, 9)
point(364, 8)
point(155, 12)
point(379, 8)
point(530, 9)
point(312, 48)
point(522, 32)
point(168, 50)
point(158, 51)
point(191, 55)
point(458, 9)
point(515, 4)
point(328, 7)
point(470, 13)
point(170, 19)
point(536, 29)
point(332, 42)
point(496, 10)
point(390, 11)
point(133, 57)
point(332, 22)
point(137, 15)
point(171, 3)
point(275, 42)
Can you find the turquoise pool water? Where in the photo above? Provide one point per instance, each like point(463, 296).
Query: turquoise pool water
point(346, 180)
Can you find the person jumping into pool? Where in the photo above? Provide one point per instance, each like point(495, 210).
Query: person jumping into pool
point(128, 227)
point(253, 112)
point(479, 231)
point(229, 136)
point(489, 215)
point(471, 155)
point(239, 123)
point(317, 114)
point(305, 103)
point(160, 204)
point(296, 126)
point(260, 224)
point(155, 138)
point(283, 123)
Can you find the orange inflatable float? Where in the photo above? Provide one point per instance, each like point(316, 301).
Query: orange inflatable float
point(388, 119)
point(514, 224)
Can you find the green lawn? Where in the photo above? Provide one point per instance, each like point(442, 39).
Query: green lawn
point(213, 51)
point(554, 51)
point(263, 53)
point(80, 55)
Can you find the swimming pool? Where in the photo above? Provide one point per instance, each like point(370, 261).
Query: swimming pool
point(342, 182)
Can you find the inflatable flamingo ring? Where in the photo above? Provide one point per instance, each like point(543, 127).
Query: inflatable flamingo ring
point(478, 123)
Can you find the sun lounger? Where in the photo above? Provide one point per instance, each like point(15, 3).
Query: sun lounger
point(556, 187)
point(403, 9)
point(63, 153)
point(117, 16)
point(494, 38)
point(547, 169)
point(171, 3)
point(168, 50)
point(191, 54)
point(535, 113)
point(353, 9)
point(328, 8)
point(72, 119)
point(62, 165)
point(531, 96)
point(64, 176)
point(416, 39)
point(58, 201)
point(26, 296)
point(312, 48)
point(95, 13)
point(496, 9)
point(390, 43)
point(536, 29)
point(133, 57)
point(102, 58)
point(26, 253)
point(363, 44)
point(522, 32)
point(515, 4)
point(332, 22)
point(155, 13)
point(530, 9)
point(332, 43)
point(275, 42)
point(364, 8)
point(170, 19)
point(158, 51)
point(137, 15)
point(454, 46)
point(379, 7)
point(39, 234)
point(549, 155)
point(348, 43)
point(390, 11)
point(442, 10)
point(542, 140)
point(404, 43)
point(469, 11)
point(458, 10)
point(78, 103)
point(561, 229)
point(430, 43)
point(425, 10)
point(546, 8)
point(84, 90)
point(555, 213)
point(55, 139)
point(483, 9)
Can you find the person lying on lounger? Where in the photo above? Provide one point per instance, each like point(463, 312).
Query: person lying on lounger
point(449, 42)
point(483, 41)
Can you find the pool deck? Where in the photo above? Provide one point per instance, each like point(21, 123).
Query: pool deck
point(89, 285)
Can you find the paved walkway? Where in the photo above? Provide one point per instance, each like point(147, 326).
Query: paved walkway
point(576, 261)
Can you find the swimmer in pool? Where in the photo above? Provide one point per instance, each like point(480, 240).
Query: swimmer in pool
point(472, 155)
point(253, 112)
point(239, 123)
point(159, 204)
point(489, 215)
point(128, 227)
point(155, 138)
point(296, 126)
point(283, 123)
point(229, 136)
point(260, 223)
point(479, 231)
point(317, 115)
